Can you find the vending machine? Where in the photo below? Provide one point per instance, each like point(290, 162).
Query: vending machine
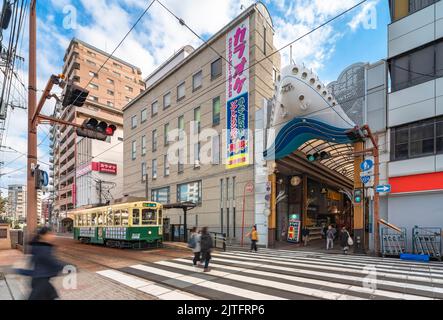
point(294, 228)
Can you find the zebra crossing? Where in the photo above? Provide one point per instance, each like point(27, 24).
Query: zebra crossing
point(285, 275)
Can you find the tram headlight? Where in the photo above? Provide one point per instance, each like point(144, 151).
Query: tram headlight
point(149, 232)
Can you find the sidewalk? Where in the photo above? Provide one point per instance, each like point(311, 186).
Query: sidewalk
point(89, 285)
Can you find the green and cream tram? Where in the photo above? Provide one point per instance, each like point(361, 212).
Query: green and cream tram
point(128, 225)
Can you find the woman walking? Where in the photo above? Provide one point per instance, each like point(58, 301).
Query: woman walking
point(253, 235)
point(206, 247)
point(46, 266)
point(344, 240)
point(195, 245)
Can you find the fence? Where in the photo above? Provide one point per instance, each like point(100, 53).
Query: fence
point(393, 243)
point(427, 241)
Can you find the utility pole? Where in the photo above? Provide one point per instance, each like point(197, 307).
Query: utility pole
point(31, 214)
point(100, 191)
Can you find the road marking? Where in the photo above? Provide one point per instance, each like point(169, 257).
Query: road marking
point(208, 284)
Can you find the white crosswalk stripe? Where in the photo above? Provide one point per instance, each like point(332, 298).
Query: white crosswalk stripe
point(285, 275)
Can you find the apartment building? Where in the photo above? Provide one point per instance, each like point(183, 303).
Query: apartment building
point(80, 166)
point(175, 139)
point(17, 203)
point(415, 114)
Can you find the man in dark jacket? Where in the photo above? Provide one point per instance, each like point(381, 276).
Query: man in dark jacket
point(46, 266)
point(206, 246)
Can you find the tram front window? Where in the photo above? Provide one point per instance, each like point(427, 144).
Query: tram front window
point(149, 216)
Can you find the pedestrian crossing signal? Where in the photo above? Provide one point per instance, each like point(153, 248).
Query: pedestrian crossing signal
point(358, 196)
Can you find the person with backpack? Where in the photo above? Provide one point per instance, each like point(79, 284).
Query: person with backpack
point(206, 245)
point(194, 244)
point(253, 235)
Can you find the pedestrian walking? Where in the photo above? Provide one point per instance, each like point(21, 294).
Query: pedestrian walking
point(330, 235)
point(46, 266)
point(345, 240)
point(206, 247)
point(195, 244)
point(253, 235)
point(305, 234)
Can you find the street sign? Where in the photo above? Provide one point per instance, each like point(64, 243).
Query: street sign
point(367, 165)
point(367, 173)
point(384, 188)
point(365, 179)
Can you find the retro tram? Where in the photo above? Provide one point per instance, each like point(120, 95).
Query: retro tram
point(123, 225)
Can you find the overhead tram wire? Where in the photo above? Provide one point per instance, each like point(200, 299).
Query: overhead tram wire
point(117, 47)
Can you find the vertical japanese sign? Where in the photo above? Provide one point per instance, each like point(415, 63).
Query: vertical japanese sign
point(237, 95)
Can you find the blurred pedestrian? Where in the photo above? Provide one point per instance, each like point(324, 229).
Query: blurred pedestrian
point(305, 234)
point(195, 245)
point(344, 240)
point(253, 235)
point(330, 235)
point(206, 247)
point(46, 266)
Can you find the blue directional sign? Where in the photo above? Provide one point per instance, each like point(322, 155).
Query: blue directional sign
point(383, 188)
point(365, 179)
point(367, 165)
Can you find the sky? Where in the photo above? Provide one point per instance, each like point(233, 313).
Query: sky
point(358, 36)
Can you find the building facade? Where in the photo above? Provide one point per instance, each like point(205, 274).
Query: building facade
point(74, 160)
point(176, 146)
point(17, 203)
point(415, 115)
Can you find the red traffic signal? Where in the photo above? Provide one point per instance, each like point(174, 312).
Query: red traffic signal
point(94, 129)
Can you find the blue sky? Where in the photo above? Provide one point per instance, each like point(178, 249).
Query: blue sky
point(352, 38)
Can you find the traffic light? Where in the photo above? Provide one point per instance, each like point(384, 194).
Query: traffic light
point(358, 196)
point(74, 95)
point(41, 178)
point(92, 128)
point(318, 156)
point(6, 15)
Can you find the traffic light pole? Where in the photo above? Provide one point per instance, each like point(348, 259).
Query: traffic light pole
point(31, 201)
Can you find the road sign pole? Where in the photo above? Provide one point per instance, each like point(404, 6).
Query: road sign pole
point(376, 196)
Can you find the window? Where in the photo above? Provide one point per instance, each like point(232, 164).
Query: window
point(419, 139)
point(197, 119)
point(128, 88)
point(128, 99)
point(216, 69)
point(216, 150)
point(167, 100)
point(274, 75)
point(181, 127)
point(165, 134)
point(197, 155)
point(117, 74)
point(92, 54)
point(166, 166)
point(135, 217)
point(417, 67)
point(149, 216)
point(216, 107)
point(416, 5)
point(134, 122)
point(110, 92)
point(154, 168)
point(128, 78)
point(93, 74)
point(154, 108)
point(76, 78)
point(92, 63)
point(110, 81)
point(181, 91)
point(116, 65)
point(134, 150)
point(144, 115)
point(125, 217)
point(93, 86)
point(110, 104)
point(264, 40)
point(160, 195)
point(181, 161)
point(144, 171)
point(154, 140)
point(93, 98)
point(197, 81)
point(143, 145)
point(189, 192)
